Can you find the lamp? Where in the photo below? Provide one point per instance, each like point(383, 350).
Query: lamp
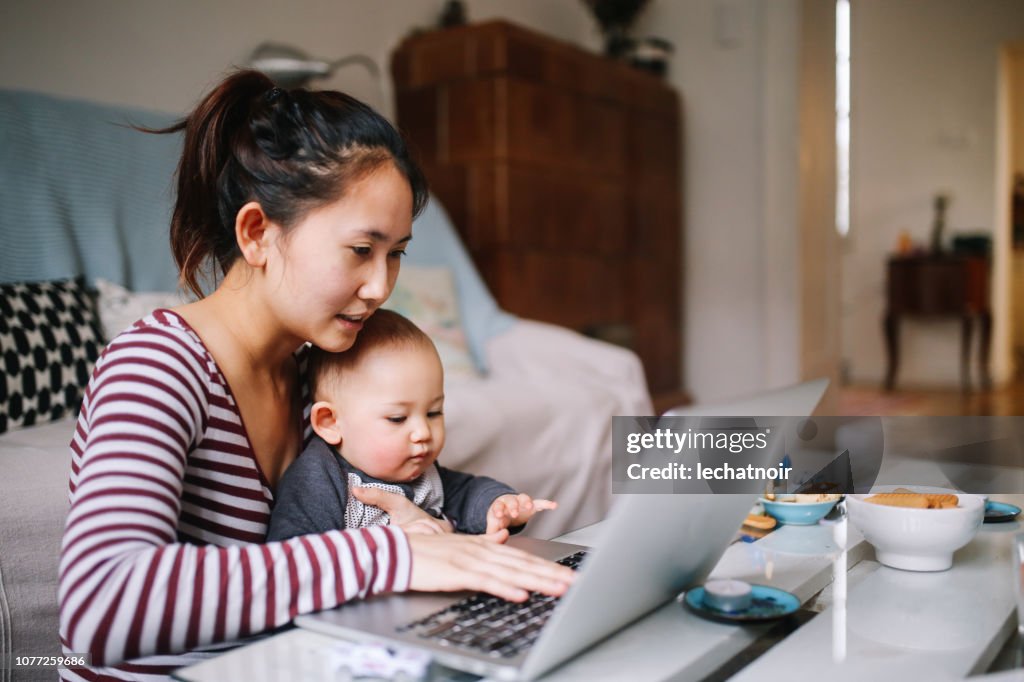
point(291, 68)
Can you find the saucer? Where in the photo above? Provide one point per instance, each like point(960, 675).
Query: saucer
point(1000, 512)
point(769, 603)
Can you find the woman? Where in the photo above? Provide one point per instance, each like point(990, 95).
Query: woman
point(304, 201)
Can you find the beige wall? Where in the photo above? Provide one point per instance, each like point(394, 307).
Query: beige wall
point(1015, 53)
point(1011, 130)
point(820, 259)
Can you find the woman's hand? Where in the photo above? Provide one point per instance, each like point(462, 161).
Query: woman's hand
point(403, 512)
point(446, 563)
point(443, 561)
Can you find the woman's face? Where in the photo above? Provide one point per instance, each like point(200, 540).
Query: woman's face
point(338, 265)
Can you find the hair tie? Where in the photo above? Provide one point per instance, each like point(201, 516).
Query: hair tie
point(273, 94)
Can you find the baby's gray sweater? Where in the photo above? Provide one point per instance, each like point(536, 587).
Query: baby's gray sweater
point(313, 494)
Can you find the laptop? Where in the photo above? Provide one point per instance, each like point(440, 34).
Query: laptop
point(656, 544)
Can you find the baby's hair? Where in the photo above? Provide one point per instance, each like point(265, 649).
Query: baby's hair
point(292, 151)
point(383, 329)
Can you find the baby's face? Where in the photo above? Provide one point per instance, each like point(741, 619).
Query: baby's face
point(390, 412)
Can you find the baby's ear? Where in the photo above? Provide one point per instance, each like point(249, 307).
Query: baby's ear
point(324, 420)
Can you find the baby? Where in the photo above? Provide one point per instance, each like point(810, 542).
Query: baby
point(379, 422)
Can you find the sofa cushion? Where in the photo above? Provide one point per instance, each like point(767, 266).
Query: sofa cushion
point(436, 243)
point(33, 506)
point(50, 338)
point(427, 297)
point(120, 308)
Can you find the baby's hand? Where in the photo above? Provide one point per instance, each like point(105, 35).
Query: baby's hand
point(514, 510)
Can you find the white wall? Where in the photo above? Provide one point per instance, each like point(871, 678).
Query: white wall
point(718, 74)
point(737, 67)
point(923, 120)
point(164, 55)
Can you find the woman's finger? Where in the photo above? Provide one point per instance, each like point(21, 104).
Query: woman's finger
point(515, 582)
point(401, 510)
point(544, 505)
point(376, 497)
point(513, 563)
point(456, 562)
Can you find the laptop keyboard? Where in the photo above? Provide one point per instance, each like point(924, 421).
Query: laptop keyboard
point(489, 624)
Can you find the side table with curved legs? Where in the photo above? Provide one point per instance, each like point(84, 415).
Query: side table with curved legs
point(940, 285)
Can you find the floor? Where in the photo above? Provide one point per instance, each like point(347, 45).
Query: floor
point(873, 401)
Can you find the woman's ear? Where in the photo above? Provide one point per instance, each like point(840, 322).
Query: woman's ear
point(324, 420)
point(251, 228)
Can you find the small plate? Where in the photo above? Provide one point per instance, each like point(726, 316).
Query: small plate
point(1000, 512)
point(769, 603)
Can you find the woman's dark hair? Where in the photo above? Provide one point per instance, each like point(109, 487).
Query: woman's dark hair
point(289, 150)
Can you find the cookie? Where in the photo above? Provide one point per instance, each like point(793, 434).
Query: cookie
point(915, 500)
point(942, 501)
point(759, 521)
point(910, 500)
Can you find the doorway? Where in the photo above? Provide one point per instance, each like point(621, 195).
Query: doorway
point(1010, 200)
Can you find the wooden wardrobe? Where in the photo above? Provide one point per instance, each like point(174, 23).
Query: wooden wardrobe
point(560, 169)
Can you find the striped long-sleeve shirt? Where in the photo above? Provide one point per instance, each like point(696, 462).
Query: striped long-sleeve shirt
point(164, 552)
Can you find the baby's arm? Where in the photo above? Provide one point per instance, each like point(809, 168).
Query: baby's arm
point(468, 498)
point(311, 496)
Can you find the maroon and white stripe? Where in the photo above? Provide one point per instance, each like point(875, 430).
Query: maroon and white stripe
point(163, 557)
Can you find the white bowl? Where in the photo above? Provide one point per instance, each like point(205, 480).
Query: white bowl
point(917, 539)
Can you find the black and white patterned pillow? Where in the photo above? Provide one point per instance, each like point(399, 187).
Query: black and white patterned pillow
point(49, 340)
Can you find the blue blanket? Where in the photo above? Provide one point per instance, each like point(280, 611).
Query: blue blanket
point(82, 194)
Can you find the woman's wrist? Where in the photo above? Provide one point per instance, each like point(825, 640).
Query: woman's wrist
point(402, 559)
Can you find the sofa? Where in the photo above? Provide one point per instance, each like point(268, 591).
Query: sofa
point(84, 196)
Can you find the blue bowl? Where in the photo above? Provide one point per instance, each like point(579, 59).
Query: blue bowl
point(797, 513)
